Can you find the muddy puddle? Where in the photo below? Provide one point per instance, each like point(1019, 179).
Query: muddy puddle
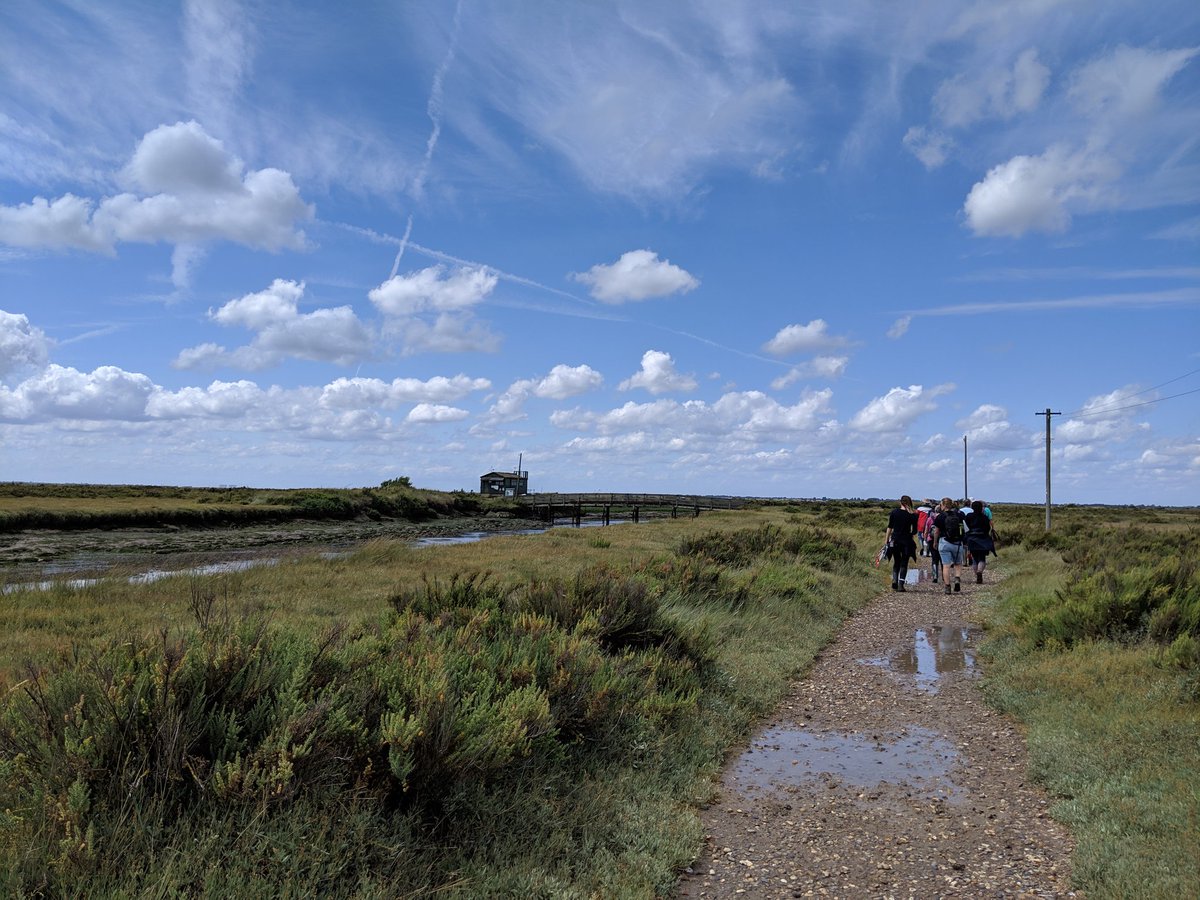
point(936, 651)
point(789, 756)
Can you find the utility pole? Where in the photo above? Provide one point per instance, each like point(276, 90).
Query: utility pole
point(1048, 414)
point(966, 495)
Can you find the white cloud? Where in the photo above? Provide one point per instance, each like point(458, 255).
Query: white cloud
point(58, 392)
point(642, 102)
point(817, 367)
point(64, 222)
point(434, 290)
point(803, 339)
point(568, 381)
point(448, 333)
point(658, 376)
point(1104, 418)
point(22, 346)
point(562, 382)
point(734, 417)
point(193, 191)
point(259, 310)
point(899, 408)
point(325, 335)
point(221, 399)
point(998, 93)
point(899, 327)
point(1038, 193)
point(988, 428)
point(1126, 83)
point(637, 275)
point(930, 146)
point(360, 393)
point(428, 413)
point(183, 160)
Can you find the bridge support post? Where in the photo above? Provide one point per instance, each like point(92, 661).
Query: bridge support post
point(635, 515)
point(607, 511)
point(696, 512)
point(578, 513)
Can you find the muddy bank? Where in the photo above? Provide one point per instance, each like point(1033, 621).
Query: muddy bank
point(39, 553)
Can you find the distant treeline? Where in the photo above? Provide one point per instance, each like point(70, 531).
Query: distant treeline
point(75, 507)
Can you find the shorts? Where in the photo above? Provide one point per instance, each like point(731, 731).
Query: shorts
point(952, 554)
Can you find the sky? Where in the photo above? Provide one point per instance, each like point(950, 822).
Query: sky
point(831, 248)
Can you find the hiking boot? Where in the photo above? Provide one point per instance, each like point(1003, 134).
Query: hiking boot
point(957, 585)
point(979, 578)
point(900, 588)
point(947, 587)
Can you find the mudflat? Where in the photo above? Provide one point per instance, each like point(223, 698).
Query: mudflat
point(885, 774)
point(28, 554)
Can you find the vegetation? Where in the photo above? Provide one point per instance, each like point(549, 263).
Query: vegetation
point(1095, 647)
point(529, 715)
point(539, 715)
point(82, 506)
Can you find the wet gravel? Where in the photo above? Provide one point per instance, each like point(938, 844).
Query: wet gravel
point(885, 774)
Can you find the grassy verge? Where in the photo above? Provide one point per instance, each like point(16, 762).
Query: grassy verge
point(532, 715)
point(1094, 646)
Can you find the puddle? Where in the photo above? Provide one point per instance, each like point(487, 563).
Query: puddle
point(789, 756)
point(936, 651)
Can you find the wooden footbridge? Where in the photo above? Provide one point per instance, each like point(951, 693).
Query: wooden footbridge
point(551, 507)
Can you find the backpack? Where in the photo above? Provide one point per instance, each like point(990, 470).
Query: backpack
point(954, 526)
point(925, 526)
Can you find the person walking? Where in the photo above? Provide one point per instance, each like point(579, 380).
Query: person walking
point(980, 539)
point(929, 540)
point(950, 528)
point(901, 530)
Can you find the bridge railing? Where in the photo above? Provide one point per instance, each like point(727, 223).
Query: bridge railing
point(602, 499)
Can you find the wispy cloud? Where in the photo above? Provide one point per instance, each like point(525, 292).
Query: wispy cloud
point(1138, 300)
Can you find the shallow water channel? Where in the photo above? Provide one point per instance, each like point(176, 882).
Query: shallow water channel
point(93, 568)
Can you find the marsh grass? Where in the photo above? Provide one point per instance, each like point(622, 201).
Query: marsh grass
point(84, 506)
point(1092, 647)
point(529, 714)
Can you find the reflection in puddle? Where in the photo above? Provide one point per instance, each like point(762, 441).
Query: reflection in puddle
point(788, 756)
point(936, 651)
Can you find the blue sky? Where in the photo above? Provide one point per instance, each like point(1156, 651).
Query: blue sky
point(720, 247)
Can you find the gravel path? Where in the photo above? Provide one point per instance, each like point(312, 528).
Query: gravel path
point(884, 774)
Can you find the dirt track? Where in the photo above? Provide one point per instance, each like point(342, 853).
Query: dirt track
point(884, 774)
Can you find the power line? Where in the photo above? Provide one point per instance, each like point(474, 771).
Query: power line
point(1109, 409)
point(1090, 412)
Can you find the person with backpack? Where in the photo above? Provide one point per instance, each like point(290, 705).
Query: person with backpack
point(901, 528)
point(949, 527)
point(980, 539)
point(929, 541)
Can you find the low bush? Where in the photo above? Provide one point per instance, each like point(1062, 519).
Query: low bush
point(1121, 585)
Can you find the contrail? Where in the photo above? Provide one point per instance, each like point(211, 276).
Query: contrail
point(400, 252)
point(441, 256)
point(434, 106)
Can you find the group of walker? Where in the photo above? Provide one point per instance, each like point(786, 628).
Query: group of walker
point(952, 536)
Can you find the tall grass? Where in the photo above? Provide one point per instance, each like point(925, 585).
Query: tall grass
point(527, 715)
point(1094, 646)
